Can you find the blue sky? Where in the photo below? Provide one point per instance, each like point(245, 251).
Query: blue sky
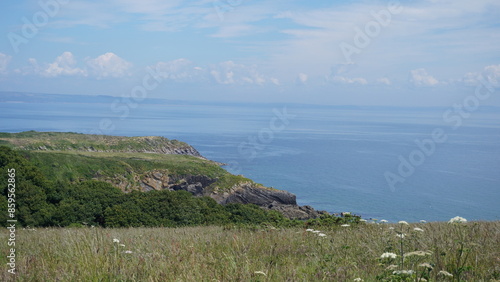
point(412, 53)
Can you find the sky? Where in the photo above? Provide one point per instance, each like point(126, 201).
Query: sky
point(392, 53)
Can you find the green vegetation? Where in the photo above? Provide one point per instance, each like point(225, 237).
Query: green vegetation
point(58, 141)
point(211, 253)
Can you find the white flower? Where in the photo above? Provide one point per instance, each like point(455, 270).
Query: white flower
point(345, 225)
point(423, 221)
point(362, 220)
point(316, 231)
point(401, 235)
point(403, 222)
point(260, 272)
point(116, 240)
point(309, 230)
point(383, 221)
point(406, 272)
point(391, 228)
point(445, 273)
point(418, 253)
point(458, 219)
point(418, 229)
point(128, 252)
point(426, 265)
point(322, 235)
point(122, 245)
point(358, 279)
point(389, 255)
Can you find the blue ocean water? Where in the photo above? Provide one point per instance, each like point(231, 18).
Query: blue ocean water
point(333, 158)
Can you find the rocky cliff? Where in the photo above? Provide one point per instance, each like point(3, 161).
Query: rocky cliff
point(200, 185)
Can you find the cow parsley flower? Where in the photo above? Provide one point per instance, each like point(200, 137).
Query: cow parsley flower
point(458, 219)
point(445, 273)
point(404, 272)
point(116, 241)
point(345, 225)
point(418, 229)
point(388, 255)
point(309, 230)
point(383, 221)
point(426, 265)
point(403, 222)
point(358, 280)
point(128, 252)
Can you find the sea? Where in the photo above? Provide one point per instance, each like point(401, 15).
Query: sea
point(392, 163)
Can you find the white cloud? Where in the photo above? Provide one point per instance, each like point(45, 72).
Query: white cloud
point(179, 70)
point(108, 65)
point(491, 74)
point(4, 61)
point(347, 80)
point(63, 65)
point(384, 80)
point(420, 77)
point(228, 72)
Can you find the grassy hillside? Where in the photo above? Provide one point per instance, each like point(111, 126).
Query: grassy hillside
point(65, 141)
point(468, 252)
point(73, 157)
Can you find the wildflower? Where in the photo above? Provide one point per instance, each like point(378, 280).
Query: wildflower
point(445, 273)
point(358, 279)
point(403, 222)
point(345, 225)
point(362, 220)
point(406, 272)
point(417, 253)
point(426, 265)
point(418, 229)
point(422, 279)
point(458, 219)
point(422, 221)
point(389, 255)
point(346, 213)
point(401, 235)
point(316, 231)
point(116, 240)
point(260, 272)
point(322, 235)
point(391, 228)
point(309, 230)
point(128, 252)
point(383, 221)
point(121, 245)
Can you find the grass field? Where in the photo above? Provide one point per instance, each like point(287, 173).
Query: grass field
point(432, 252)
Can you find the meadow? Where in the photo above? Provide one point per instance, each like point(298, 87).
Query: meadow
point(436, 251)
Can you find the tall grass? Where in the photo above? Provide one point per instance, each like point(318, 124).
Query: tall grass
point(253, 253)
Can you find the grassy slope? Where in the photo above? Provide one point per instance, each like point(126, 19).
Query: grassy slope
point(32, 140)
point(221, 254)
point(67, 157)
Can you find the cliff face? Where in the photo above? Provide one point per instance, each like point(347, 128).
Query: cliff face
point(243, 193)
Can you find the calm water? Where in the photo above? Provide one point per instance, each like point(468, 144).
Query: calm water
point(332, 158)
